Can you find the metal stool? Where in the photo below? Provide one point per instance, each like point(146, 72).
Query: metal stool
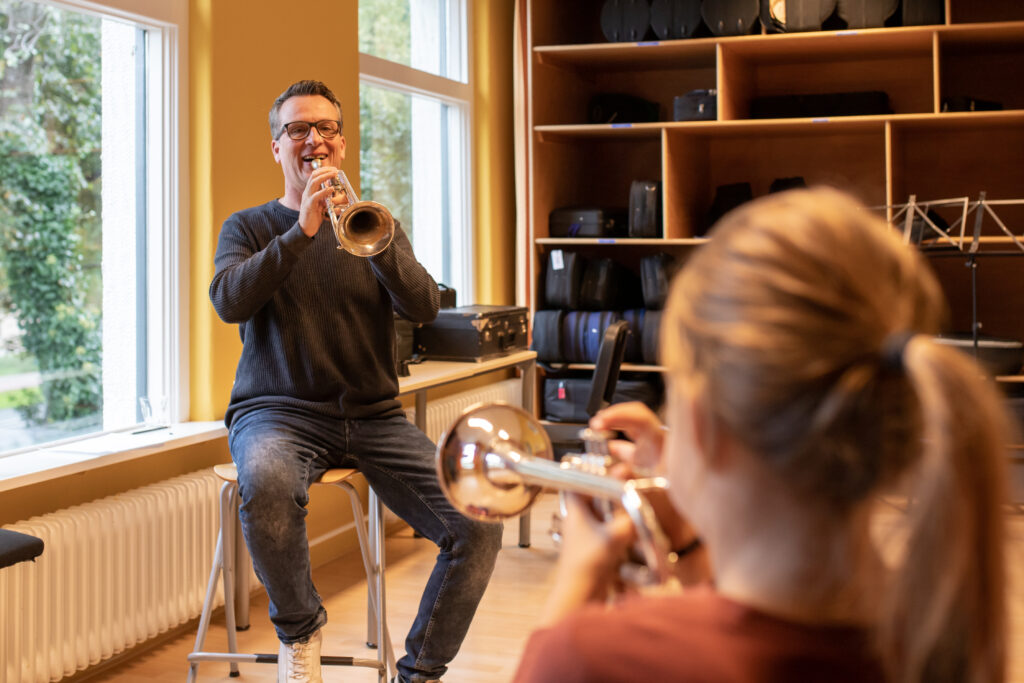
point(227, 567)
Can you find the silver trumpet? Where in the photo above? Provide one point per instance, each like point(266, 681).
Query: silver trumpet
point(361, 228)
point(495, 459)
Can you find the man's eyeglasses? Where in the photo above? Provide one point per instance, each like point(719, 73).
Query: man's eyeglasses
point(298, 130)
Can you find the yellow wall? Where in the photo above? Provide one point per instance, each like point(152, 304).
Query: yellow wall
point(243, 55)
point(493, 162)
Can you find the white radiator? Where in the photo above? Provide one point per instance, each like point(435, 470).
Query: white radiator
point(443, 412)
point(114, 572)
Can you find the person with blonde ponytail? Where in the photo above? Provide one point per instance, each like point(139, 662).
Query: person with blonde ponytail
point(803, 386)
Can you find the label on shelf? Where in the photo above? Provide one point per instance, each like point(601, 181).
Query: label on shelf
point(648, 43)
point(556, 260)
point(819, 120)
point(622, 125)
point(605, 240)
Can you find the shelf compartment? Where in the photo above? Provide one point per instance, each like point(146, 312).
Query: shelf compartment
point(589, 172)
point(896, 61)
point(850, 157)
point(695, 53)
point(564, 22)
point(564, 96)
point(961, 155)
point(985, 63)
point(973, 11)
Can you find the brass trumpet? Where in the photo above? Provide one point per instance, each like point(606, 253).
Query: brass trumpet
point(495, 459)
point(363, 228)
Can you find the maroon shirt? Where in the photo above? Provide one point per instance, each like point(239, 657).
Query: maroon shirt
point(696, 636)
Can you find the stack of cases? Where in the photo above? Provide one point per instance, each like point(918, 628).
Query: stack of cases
point(582, 297)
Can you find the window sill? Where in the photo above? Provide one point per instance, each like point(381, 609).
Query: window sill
point(44, 464)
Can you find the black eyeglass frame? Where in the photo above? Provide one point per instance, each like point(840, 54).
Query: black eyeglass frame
point(309, 126)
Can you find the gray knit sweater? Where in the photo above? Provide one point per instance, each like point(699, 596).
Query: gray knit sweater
point(316, 322)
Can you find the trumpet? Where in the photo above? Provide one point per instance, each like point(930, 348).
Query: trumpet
point(495, 459)
point(362, 228)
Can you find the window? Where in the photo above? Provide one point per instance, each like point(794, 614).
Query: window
point(414, 98)
point(89, 243)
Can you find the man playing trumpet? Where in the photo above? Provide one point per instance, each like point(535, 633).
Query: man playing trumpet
point(316, 388)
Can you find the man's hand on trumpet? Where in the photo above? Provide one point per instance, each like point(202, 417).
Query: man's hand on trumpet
point(317, 196)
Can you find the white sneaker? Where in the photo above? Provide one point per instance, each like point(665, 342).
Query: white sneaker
point(300, 661)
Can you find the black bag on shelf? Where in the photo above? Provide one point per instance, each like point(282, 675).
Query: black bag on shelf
point(607, 284)
point(820, 105)
point(547, 336)
point(649, 337)
point(634, 349)
point(674, 19)
point(800, 15)
point(621, 108)
point(565, 398)
point(656, 271)
point(730, 17)
point(696, 105)
point(562, 279)
point(790, 183)
point(921, 12)
point(727, 198)
point(582, 332)
point(473, 332)
point(645, 208)
point(587, 221)
point(866, 13)
point(625, 21)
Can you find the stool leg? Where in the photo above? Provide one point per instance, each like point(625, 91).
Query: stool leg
point(229, 519)
point(204, 618)
point(371, 574)
point(376, 510)
point(221, 568)
point(242, 564)
point(374, 577)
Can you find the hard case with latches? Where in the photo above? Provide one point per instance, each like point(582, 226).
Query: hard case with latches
point(469, 333)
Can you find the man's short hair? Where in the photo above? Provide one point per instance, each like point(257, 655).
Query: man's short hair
point(295, 90)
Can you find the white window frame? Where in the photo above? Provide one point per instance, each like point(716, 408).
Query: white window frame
point(458, 94)
point(167, 198)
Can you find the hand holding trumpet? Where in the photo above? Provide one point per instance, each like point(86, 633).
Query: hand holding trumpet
point(593, 549)
point(317, 193)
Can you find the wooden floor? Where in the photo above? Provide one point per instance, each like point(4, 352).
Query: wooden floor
point(489, 653)
point(495, 640)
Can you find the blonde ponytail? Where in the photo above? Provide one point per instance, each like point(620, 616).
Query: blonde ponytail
point(945, 618)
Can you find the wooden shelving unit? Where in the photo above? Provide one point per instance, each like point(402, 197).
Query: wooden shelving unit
point(917, 149)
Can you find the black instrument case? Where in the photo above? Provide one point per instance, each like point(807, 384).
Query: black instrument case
point(470, 333)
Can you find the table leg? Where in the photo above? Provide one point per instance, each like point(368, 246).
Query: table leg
point(529, 379)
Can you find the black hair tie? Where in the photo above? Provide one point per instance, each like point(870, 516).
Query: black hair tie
point(893, 348)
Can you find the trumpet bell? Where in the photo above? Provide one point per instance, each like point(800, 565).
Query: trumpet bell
point(365, 228)
point(362, 228)
point(477, 458)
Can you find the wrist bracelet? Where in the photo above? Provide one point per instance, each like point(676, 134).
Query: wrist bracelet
point(689, 548)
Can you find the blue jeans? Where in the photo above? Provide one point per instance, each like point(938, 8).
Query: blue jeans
point(281, 452)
